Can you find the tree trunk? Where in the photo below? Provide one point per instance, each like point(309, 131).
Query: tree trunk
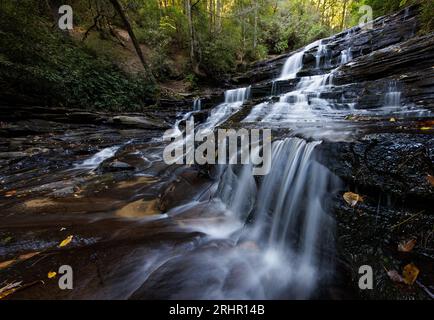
point(219, 13)
point(191, 36)
point(255, 30)
point(344, 13)
point(117, 6)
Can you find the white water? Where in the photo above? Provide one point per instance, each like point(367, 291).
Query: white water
point(197, 104)
point(275, 230)
point(234, 99)
point(346, 56)
point(290, 230)
point(94, 161)
point(392, 96)
point(294, 63)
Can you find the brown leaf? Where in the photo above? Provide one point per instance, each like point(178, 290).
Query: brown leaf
point(10, 193)
point(406, 246)
point(352, 198)
point(430, 179)
point(28, 255)
point(410, 273)
point(23, 257)
point(5, 264)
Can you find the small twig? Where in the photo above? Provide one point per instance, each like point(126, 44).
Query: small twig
point(406, 220)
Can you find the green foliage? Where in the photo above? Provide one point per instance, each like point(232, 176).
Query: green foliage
point(42, 63)
point(383, 7)
point(427, 16)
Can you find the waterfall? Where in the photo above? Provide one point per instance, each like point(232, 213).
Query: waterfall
point(289, 224)
point(94, 161)
point(197, 104)
point(392, 97)
point(295, 105)
point(237, 95)
point(234, 99)
point(322, 52)
point(346, 56)
point(294, 63)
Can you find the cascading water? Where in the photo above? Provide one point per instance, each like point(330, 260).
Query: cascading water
point(393, 96)
point(234, 99)
point(94, 161)
point(197, 104)
point(290, 227)
point(273, 236)
point(346, 56)
point(294, 63)
point(323, 53)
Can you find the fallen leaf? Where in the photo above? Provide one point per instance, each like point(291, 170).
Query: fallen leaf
point(5, 264)
point(406, 246)
point(395, 276)
point(9, 289)
point(392, 120)
point(28, 255)
point(66, 241)
point(430, 179)
point(12, 287)
point(352, 198)
point(10, 193)
point(52, 274)
point(410, 273)
point(425, 128)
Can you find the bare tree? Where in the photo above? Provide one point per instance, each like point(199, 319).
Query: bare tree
point(118, 7)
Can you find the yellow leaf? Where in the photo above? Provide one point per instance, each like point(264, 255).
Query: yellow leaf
point(406, 246)
point(9, 289)
point(425, 128)
point(66, 241)
point(352, 198)
point(410, 273)
point(52, 274)
point(6, 293)
point(392, 120)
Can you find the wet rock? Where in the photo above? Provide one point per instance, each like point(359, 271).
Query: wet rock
point(12, 155)
point(390, 163)
point(188, 182)
point(114, 165)
point(139, 122)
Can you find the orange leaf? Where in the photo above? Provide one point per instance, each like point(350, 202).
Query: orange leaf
point(410, 273)
point(352, 198)
point(406, 246)
point(5, 264)
point(10, 193)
